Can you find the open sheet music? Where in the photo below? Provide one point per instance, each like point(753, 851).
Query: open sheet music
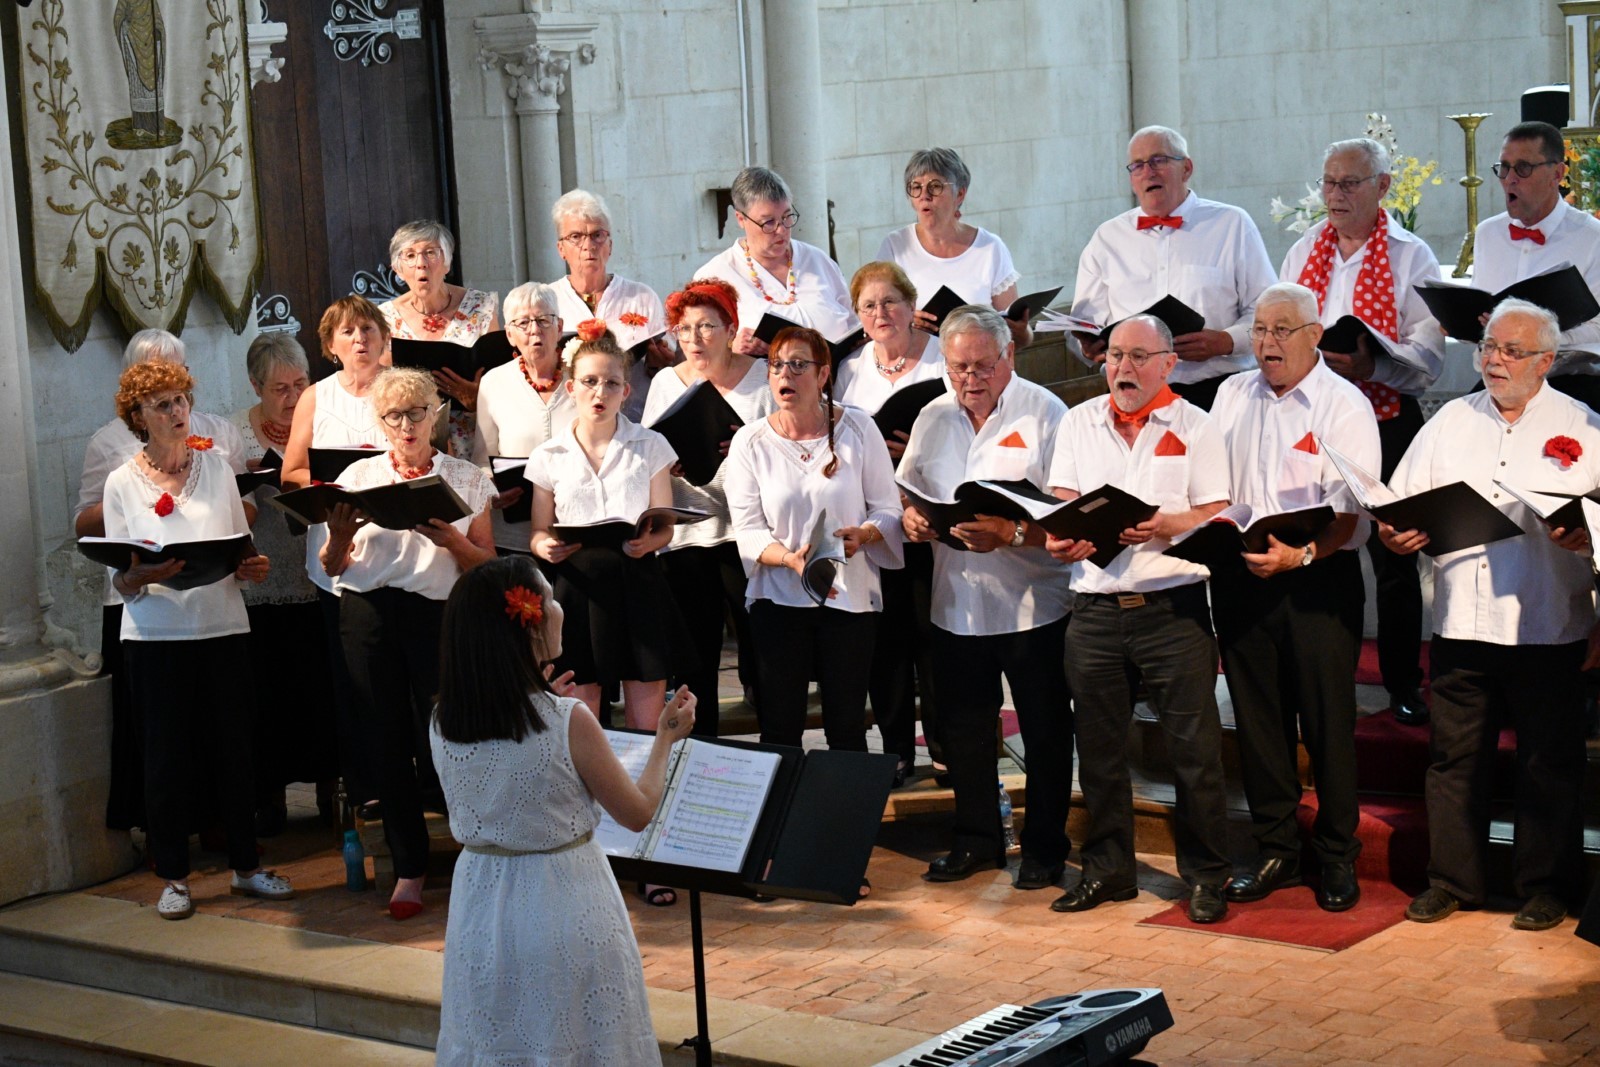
point(1454, 516)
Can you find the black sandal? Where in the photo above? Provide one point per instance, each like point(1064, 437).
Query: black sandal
point(658, 896)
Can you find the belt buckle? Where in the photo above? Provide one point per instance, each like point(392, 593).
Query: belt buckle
point(1130, 600)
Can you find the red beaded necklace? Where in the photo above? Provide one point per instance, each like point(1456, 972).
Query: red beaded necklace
point(538, 385)
point(408, 473)
point(278, 435)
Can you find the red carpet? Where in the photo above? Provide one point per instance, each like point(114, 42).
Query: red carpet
point(1291, 917)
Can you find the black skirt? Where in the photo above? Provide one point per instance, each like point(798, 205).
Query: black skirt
point(621, 622)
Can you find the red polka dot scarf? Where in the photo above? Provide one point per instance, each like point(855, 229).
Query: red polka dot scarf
point(1372, 302)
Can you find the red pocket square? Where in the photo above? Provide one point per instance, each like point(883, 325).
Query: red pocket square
point(1307, 444)
point(1013, 440)
point(1171, 445)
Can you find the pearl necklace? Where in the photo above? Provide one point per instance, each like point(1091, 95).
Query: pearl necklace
point(188, 457)
point(755, 276)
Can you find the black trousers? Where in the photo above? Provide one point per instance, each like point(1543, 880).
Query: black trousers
point(709, 585)
point(968, 672)
point(902, 663)
point(1289, 647)
point(391, 646)
point(1167, 641)
point(125, 799)
point(1398, 581)
point(360, 779)
point(196, 725)
point(1478, 688)
point(1201, 394)
point(294, 740)
point(794, 645)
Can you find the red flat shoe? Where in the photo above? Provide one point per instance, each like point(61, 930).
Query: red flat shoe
point(401, 910)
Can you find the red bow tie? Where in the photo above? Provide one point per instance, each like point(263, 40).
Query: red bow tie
point(1519, 234)
point(1170, 221)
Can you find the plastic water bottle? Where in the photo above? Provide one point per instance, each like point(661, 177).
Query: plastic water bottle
point(1007, 826)
point(355, 862)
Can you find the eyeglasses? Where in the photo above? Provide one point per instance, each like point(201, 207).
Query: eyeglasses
point(433, 253)
point(688, 332)
point(598, 385)
point(587, 237)
point(1522, 169)
point(1138, 356)
point(933, 187)
point(793, 366)
point(786, 220)
point(1281, 334)
point(414, 416)
point(1152, 163)
point(526, 325)
point(1487, 348)
point(1347, 186)
point(169, 405)
point(981, 371)
point(888, 305)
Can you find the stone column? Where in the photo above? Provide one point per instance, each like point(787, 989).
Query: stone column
point(537, 81)
point(794, 111)
point(1155, 50)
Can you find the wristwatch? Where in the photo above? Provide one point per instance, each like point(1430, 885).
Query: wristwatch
point(1310, 554)
point(1016, 538)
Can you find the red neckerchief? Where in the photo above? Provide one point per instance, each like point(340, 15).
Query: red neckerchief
point(1160, 400)
point(1372, 302)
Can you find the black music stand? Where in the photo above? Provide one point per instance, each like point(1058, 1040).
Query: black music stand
point(812, 842)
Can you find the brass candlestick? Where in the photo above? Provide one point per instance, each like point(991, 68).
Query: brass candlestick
point(1470, 182)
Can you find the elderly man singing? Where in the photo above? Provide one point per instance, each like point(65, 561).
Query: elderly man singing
point(999, 601)
point(1144, 615)
point(1510, 621)
point(1289, 619)
point(1208, 255)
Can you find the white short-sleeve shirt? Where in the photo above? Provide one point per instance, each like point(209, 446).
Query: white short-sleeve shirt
point(513, 420)
point(620, 489)
point(823, 298)
point(978, 275)
point(858, 384)
point(1570, 236)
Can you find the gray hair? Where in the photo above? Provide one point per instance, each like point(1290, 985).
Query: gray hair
point(753, 185)
point(975, 318)
point(153, 344)
point(1171, 139)
point(941, 162)
point(580, 204)
point(534, 297)
point(1303, 299)
point(422, 230)
point(270, 349)
point(1151, 321)
point(1377, 156)
point(1549, 326)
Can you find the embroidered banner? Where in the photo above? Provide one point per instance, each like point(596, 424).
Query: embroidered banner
point(137, 126)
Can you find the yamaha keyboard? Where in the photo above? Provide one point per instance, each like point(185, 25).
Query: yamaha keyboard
point(1101, 1026)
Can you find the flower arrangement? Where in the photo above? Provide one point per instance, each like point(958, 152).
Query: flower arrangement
point(1564, 450)
point(524, 606)
point(1408, 176)
point(1583, 176)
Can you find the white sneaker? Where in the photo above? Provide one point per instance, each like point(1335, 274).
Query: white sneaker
point(175, 902)
point(266, 884)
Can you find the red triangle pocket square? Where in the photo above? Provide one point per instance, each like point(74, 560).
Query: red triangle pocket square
point(1171, 445)
point(1307, 444)
point(1013, 440)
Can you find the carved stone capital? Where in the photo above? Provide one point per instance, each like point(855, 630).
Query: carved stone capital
point(535, 52)
point(261, 37)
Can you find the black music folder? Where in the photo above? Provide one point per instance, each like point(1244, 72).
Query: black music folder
point(1031, 306)
point(1558, 511)
point(824, 557)
point(1179, 317)
point(1454, 516)
point(900, 411)
point(1099, 517)
point(1015, 500)
point(768, 328)
point(328, 464)
point(508, 473)
point(942, 302)
point(1238, 528)
point(204, 562)
point(1560, 290)
point(486, 353)
point(250, 481)
point(614, 533)
point(1344, 337)
point(847, 345)
point(696, 425)
point(400, 506)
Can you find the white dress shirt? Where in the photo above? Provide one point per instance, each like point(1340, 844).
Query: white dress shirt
point(207, 507)
point(1261, 432)
point(776, 494)
point(1411, 261)
point(1521, 590)
point(751, 399)
point(1570, 236)
point(620, 489)
point(1215, 263)
point(979, 274)
point(1008, 590)
point(621, 296)
point(822, 297)
point(341, 420)
point(1090, 454)
point(857, 383)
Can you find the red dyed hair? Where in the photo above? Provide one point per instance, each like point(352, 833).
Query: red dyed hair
point(705, 293)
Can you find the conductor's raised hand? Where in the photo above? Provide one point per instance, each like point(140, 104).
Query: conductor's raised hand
point(562, 685)
point(1401, 542)
point(1278, 558)
point(1067, 550)
point(677, 718)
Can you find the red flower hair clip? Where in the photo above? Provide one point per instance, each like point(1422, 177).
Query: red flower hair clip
point(632, 318)
point(591, 329)
point(198, 443)
point(164, 506)
point(1564, 450)
point(524, 606)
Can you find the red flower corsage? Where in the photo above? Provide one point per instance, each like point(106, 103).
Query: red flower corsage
point(524, 606)
point(632, 318)
point(164, 506)
point(198, 443)
point(591, 329)
point(1564, 450)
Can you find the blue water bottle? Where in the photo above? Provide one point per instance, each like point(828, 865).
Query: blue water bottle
point(1007, 826)
point(355, 862)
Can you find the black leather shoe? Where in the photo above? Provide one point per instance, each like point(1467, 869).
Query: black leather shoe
point(1271, 874)
point(1338, 890)
point(1432, 905)
point(1543, 912)
point(1206, 904)
point(1409, 710)
point(955, 865)
point(1035, 875)
point(1091, 894)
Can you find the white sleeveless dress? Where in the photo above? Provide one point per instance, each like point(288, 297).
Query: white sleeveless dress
point(540, 963)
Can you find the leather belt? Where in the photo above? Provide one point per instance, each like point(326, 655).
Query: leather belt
point(496, 850)
point(1129, 601)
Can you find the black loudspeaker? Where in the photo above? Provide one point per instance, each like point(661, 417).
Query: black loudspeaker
point(1547, 103)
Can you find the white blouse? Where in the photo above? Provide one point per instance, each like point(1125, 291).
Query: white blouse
point(404, 559)
point(858, 384)
point(341, 420)
point(513, 420)
point(776, 494)
point(822, 297)
point(207, 507)
point(620, 489)
point(977, 275)
point(622, 296)
point(751, 399)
